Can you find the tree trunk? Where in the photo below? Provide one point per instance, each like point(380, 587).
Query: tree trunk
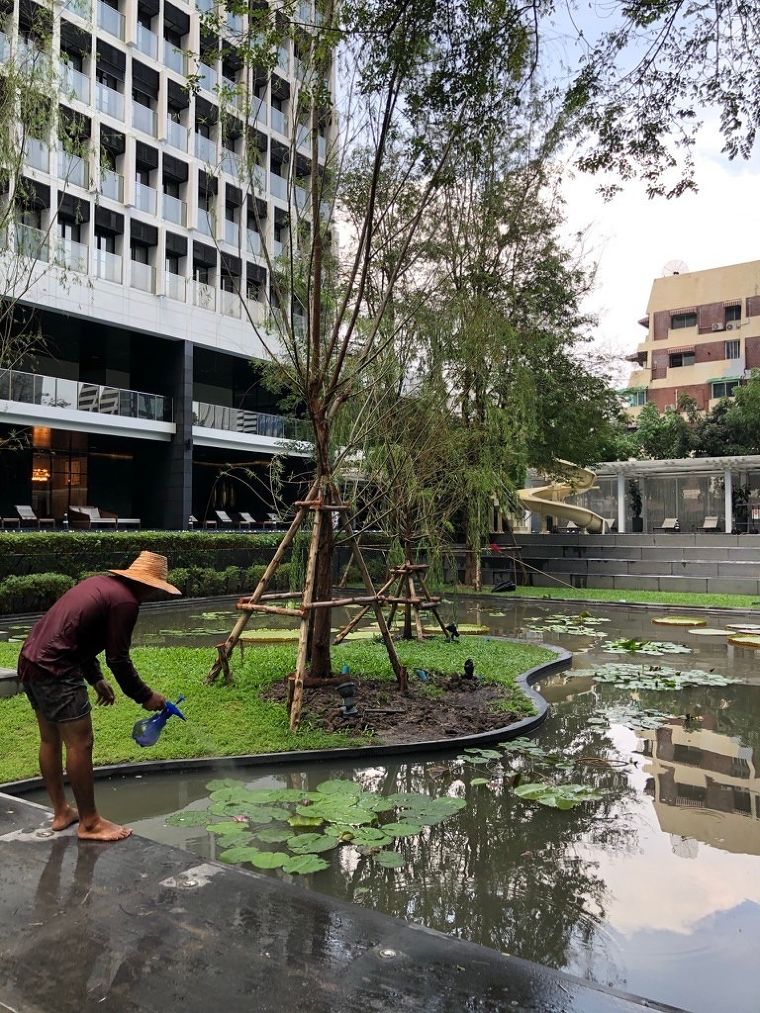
point(407, 635)
point(321, 621)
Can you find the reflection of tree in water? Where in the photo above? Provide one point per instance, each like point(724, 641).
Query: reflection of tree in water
point(503, 873)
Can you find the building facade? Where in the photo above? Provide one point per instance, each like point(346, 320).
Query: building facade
point(703, 337)
point(153, 247)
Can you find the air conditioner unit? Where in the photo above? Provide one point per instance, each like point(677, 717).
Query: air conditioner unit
point(718, 327)
point(733, 325)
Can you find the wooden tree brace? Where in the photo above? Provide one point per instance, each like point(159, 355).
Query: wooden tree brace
point(271, 610)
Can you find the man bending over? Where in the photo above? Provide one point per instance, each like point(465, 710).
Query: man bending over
point(57, 660)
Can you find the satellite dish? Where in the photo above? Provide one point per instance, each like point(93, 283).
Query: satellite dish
point(675, 267)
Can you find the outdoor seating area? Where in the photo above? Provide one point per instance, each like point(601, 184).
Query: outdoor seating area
point(89, 518)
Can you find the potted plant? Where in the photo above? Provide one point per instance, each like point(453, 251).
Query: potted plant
point(636, 505)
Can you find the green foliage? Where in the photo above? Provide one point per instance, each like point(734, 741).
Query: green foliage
point(558, 796)
point(33, 593)
point(651, 677)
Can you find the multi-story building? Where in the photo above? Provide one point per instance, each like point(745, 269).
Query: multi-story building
point(146, 399)
point(703, 337)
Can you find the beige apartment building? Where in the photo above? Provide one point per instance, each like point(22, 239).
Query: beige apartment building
point(703, 337)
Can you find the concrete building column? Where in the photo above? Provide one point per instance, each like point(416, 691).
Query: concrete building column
point(728, 507)
point(621, 503)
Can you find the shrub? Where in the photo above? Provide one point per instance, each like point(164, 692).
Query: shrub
point(32, 593)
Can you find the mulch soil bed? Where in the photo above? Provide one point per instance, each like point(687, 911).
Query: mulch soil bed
point(456, 706)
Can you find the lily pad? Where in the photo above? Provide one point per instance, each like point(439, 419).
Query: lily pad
point(479, 780)
point(746, 640)
point(272, 836)
point(389, 859)
point(306, 821)
point(225, 828)
point(708, 631)
point(269, 859)
point(339, 786)
point(678, 621)
point(236, 856)
point(557, 796)
point(743, 627)
point(311, 844)
point(190, 818)
point(401, 829)
point(369, 837)
point(224, 782)
point(301, 865)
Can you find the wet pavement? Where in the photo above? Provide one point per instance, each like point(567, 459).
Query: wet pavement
point(140, 926)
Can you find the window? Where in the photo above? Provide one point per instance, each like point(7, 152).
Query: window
point(104, 242)
point(142, 176)
point(172, 264)
point(201, 274)
point(733, 313)
point(140, 254)
point(724, 388)
point(732, 349)
point(636, 398)
point(679, 320)
point(171, 188)
point(230, 212)
point(681, 359)
point(69, 230)
point(106, 79)
point(142, 99)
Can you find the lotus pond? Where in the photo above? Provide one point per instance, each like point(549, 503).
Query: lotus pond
point(621, 843)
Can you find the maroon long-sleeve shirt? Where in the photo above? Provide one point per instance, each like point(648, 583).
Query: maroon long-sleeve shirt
point(99, 614)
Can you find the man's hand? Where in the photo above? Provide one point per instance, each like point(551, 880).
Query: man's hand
point(155, 702)
point(105, 694)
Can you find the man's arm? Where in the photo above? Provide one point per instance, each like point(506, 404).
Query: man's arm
point(121, 623)
point(91, 671)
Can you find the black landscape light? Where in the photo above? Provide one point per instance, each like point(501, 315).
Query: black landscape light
point(347, 691)
point(469, 669)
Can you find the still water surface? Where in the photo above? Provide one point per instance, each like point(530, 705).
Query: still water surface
point(655, 889)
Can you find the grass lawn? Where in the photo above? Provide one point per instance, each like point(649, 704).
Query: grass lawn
point(222, 721)
point(726, 601)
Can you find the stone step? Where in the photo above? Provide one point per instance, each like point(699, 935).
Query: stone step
point(650, 582)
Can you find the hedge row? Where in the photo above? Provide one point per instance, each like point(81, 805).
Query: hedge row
point(75, 552)
point(37, 592)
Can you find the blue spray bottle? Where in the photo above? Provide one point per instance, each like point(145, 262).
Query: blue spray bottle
point(146, 731)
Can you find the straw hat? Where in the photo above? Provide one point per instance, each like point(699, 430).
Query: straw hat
point(151, 569)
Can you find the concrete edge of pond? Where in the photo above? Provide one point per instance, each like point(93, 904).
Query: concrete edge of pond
point(647, 606)
point(563, 659)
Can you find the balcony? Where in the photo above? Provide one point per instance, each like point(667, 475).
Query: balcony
point(31, 57)
point(205, 223)
point(305, 13)
point(278, 248)
point(176, 134)
point(231, 232)
point(32, 243)
point(108, 266)
point(205, 6)
point(174, 58)
point(83, 8)
point(144, 118)
point(143, 276)
point(205, 149)
point(146, 41)
point(5, 48)
point(260, 178)
point(303, 136)
point(253, 241)
point(71, 256)
point(207, 77)
point(235, 420)
point(74, 84)
point(110, 20)
point(283, 60)
point(53, 392)
point(204, 295)
point(259, 110)
point(279, 122)
point(301, 197)
point(175, 286)
point(112, 185)
point(145, 198)
point(235, 23)
point(37, 153)
point(73, 169)
point(230, 162)
point(278, 186)
point(230, 304)
point(321, 148)
point(174, 210)
point(109, 101)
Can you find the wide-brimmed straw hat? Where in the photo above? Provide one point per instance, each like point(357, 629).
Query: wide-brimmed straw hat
point(151, 569)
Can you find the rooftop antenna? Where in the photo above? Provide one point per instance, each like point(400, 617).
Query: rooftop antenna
point(674, 267)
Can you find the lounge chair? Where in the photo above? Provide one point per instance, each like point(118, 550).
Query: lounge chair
point(225, 520)
point(195, 523)
point(29, 519)
point(91, 518)
point(711, 524)
point(670, 524)
point(11, 522)
point(245, 520)
point(274, 521)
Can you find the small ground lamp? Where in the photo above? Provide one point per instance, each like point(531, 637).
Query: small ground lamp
point(347, 692)
point(469, 669)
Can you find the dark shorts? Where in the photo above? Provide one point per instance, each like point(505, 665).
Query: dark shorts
point(57, 698)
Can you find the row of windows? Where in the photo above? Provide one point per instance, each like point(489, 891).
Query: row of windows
point(733, 314)
point(731, 350)
point(718, 389)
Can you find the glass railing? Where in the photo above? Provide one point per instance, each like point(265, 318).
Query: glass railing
point(305, 13)
point(143, 276)
point(110, 20)
point(204, 6)
point(71, 256)
point(303, 136)
point(231, 232)
point(145, 198)
point(204, 295)
point(174, 210)
point(260, 178)
point(321, 148)
point(277, 248)
point(205, 148)
point(278, 186)
point(212, 416)
point(174, 58)
point(230, 303)
point(175, 286)
point(53, 392)
point(73, 169)
point(146, 41)
point(234, 23)
point(205, 222)
point(5, 48)
point(279, 121)
point(144, 118)
point(301, 197)
point(112, 185)
point(37, 153)
point(207, 77)
point(108, 266)
point(301, 70)
point(109, 101)
point(283, 59)
point(31, 56)
point(259, 110)
point(176, 134)
point(81, 7)
point(253, 241)
point(74, 83)
point(32, 243)
point(230, 162)
point(325, 209)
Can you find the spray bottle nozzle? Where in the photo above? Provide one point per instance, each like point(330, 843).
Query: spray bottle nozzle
point(146, 731)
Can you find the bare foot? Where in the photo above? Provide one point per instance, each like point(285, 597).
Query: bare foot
point(65, 818)
point(103, 830)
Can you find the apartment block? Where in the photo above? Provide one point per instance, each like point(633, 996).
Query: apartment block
point(153, 248)
point(703, 337)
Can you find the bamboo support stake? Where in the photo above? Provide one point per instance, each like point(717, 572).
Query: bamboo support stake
point(303, 635)
point(415, 605)
point(342, 634)
point(272, 610)
point(433, 598)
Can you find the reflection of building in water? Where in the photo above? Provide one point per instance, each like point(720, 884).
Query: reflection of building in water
point(705, 786)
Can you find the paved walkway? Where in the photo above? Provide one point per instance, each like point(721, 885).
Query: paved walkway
point(138, 926)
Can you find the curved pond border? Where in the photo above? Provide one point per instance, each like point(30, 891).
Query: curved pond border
point(524, 681)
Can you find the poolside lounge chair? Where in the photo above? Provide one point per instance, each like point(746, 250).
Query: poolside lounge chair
point(245, 520)
point(670, 524)
point(29, 519)
point(195, 523)
point(225, 520)
point(91, 518)
point(10, 522)
point(710, 524)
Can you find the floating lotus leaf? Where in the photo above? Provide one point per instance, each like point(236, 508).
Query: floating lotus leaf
point(462, 627)
point(190, 818)
point(301, 865)
point(743, 627)
point(226, 828)
point(224, 782)
point(263, 813)
point(651, 647)
point(289, 795)
point(375, 803)
point(709, 632)
point(479, 780)
point(370, 837)
point(389, 859)
point(557, 796)
point(311, 844)
point(272, 836)
point(489, 754)
point(651, 677)
point(678, 621)
point(269, 859)
point(338, 809)
point(232, 840)
point(306, 821)
point(339, 786)
point(746, 640)
point(401, 829)
point(235, 856)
